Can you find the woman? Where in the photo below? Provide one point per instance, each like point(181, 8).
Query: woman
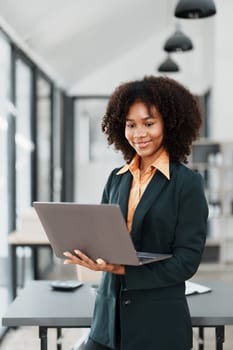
point(153, 122)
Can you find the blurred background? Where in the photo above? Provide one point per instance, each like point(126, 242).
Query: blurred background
point(59, 62)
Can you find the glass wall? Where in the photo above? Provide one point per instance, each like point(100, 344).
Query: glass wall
point(43, 139)
point(5, 59)
point(23, 137)
point(93, 158)
point(57, 146)
point(31, 159)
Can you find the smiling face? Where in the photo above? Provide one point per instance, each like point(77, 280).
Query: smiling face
point(144, 132)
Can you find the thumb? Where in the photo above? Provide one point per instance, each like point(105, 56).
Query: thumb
point(100, 261)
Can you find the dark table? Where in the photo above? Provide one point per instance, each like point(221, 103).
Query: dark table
point(38, 305)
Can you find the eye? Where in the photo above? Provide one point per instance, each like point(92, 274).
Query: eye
point(149, 124)
point(129, 125)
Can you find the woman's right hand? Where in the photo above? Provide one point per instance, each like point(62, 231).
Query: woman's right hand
point(81, 259)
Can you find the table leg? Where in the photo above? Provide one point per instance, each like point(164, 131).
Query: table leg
point(35, 263)
point(201, 338)
point(220, 337)
point(43, 337)
point(59, 339)
point(23, 267)
point(13, 271)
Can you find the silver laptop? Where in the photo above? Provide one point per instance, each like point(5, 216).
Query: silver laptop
point(98, 230)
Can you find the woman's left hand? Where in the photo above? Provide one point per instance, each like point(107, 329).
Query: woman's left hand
point(99, 265)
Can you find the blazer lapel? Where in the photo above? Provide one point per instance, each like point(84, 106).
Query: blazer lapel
point(124, 189)
point(151, 194)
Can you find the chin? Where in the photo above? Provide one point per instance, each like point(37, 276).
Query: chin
point(144, 154)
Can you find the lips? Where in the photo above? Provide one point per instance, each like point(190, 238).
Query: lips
point(143, 144)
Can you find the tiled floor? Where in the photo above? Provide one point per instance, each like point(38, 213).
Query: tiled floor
point(27, 337)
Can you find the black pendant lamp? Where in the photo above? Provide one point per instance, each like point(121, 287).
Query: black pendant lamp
point(178, 42)
point(168, 66)
point(195, 9)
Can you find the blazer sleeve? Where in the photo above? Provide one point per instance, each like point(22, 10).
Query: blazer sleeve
point(111, 182)
point(190, 236)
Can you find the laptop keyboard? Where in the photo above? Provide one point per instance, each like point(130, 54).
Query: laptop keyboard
point(145, 256)
point(141, 258)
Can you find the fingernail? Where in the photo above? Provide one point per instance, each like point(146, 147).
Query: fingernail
point(100, 261)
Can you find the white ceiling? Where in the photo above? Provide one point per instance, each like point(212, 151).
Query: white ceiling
point(91, 45)
point(77, 37)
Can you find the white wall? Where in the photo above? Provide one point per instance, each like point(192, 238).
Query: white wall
point(222, 117)
point(210, 64)
point(93, 159)
point(196, 65)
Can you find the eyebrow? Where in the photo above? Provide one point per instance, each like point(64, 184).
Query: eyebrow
point(144, 118)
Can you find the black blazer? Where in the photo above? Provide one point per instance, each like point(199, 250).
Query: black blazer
point(170, 218)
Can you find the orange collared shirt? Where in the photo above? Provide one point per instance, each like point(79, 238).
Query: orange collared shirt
point(141, 180)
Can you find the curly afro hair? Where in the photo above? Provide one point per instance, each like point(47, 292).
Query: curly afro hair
point(178, 107)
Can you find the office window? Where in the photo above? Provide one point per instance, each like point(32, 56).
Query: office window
point(93, 158)
point(57, 145)
point(23, 137)
point(5, 59)
point(43, 141)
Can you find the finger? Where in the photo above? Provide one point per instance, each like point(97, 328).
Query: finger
point(84, 257)
point(100, 261)
point(68, 254)
point(67, 262)
point(85, 261)
point(72, 259)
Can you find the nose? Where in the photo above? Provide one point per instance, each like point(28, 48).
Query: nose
point(140, 132)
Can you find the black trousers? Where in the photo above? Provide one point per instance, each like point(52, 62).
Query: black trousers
point(92, 345)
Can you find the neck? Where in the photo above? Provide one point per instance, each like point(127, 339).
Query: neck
point(146, 162)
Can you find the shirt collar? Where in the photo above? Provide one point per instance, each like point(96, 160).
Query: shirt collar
point(161, 163)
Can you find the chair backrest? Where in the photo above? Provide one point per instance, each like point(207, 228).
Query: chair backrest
point(85, 274)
